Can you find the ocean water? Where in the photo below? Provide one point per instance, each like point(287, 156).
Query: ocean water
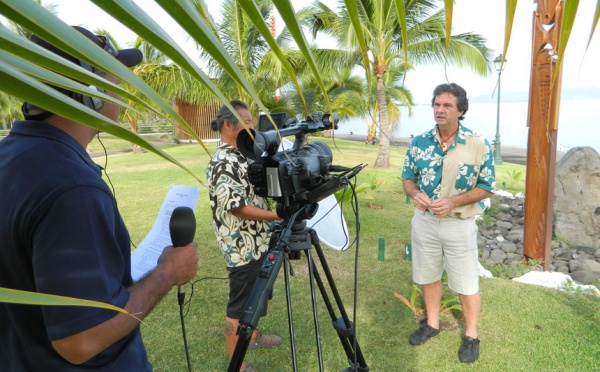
point(579, 123)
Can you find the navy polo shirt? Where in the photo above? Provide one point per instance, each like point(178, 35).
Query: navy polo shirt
point(60, 233)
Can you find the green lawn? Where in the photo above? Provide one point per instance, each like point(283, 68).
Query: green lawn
point(522, 327)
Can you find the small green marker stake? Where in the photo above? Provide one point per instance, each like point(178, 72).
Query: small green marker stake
point(408, 251)
point(381, 254)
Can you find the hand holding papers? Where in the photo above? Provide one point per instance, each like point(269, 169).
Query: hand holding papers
point(144, 258)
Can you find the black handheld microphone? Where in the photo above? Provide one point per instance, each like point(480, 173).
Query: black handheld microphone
point(182, 228)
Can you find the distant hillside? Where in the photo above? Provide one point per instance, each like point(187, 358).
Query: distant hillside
point(583, 93)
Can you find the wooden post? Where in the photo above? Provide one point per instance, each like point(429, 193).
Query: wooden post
point(544, 102)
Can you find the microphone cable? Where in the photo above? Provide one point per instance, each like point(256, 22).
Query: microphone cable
point(181, 300)
point(108, 180)
point(354, 203)
point(105, 166)
point(184, 307)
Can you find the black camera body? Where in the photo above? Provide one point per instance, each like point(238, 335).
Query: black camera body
point(295, 177)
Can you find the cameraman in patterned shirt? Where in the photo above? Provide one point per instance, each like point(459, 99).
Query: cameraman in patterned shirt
point(448, 171)
point(241, 221)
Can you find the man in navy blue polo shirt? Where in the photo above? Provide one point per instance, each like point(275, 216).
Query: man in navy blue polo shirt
point(61, 233)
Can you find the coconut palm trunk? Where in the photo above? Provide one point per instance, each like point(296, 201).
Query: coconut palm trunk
point(383, 156)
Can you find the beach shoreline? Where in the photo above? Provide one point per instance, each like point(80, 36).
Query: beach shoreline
point(510, 154)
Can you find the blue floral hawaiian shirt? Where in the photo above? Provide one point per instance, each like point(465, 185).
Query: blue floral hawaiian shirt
point(468, 163)
point(241, 240)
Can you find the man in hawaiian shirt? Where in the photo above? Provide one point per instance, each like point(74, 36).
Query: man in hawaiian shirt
point(448, 171)
point(241, 222)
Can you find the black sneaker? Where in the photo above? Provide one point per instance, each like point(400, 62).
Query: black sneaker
point(469, 350)
point(424, 333)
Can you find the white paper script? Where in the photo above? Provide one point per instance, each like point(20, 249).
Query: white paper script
point(144, 258)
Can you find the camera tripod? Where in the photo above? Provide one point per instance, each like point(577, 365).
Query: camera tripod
point(292, 238)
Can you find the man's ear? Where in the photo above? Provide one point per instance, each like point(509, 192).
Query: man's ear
point(225, 125)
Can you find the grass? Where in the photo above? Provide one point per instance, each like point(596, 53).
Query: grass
point(522, 327)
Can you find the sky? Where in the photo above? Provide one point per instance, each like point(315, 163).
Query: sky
point(485, 17)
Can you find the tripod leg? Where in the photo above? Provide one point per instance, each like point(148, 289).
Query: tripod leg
point(255, 305)
point(342, 325)
point(244, 336)
point(288, 296)
point(311, 276)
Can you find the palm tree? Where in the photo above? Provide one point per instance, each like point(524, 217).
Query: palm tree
point(153, 59)
point(251, 53)
point(347, 94)
point(396, 96)
point(10, 110)
point(384, 42)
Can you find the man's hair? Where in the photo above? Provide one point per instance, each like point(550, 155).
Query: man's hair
point(226, 114)
point(458, 92)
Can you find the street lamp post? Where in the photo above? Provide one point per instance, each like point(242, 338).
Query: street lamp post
point(497, 154)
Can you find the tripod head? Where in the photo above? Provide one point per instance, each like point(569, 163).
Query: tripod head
point(290, 235)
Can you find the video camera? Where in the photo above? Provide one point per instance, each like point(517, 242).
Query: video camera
point(296, 177)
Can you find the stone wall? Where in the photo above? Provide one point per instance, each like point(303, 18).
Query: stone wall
point(500, 241)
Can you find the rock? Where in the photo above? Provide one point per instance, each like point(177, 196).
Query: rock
point(514, 262)
point(590, 265)
point(515, 235)
point(583, 277)
point(584, 265)
point(546, 279)
point(497, 256)
point(508, 247)
point(504, 225)
point(564, 255)
point(506, 217)
point(574, 266)
point(560, 263)
point(485, 231)
point(560, 244)
point(481, 241)
point(585, 249)
point(577, 197)
point(485, 254)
